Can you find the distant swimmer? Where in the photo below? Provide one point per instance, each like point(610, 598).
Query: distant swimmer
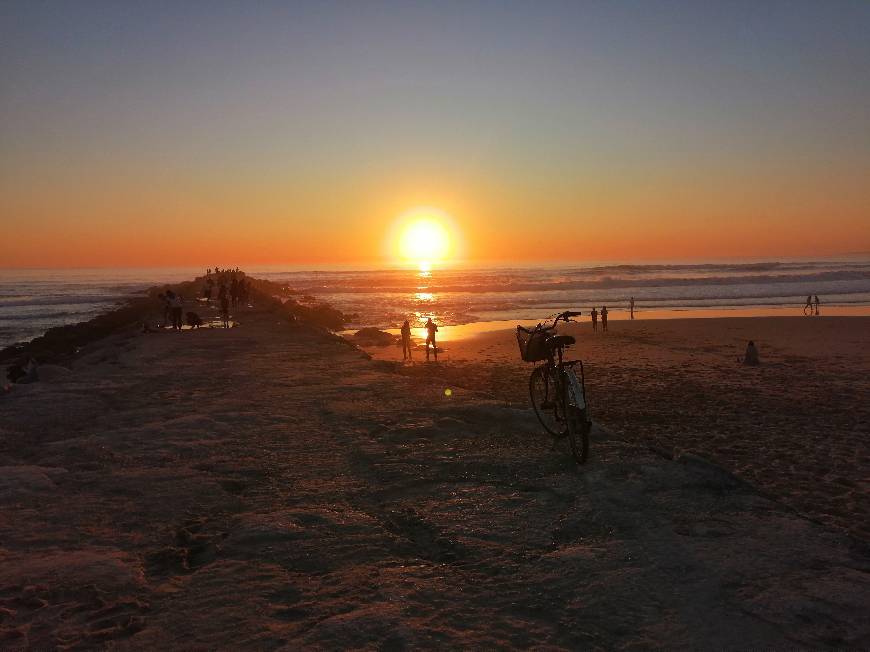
point(604, 318)
point(431, 329)
point(406, 341)
point(594, 319)
point(631, 307)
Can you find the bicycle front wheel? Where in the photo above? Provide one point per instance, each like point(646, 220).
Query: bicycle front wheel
point(577, 428)
point(546, 401)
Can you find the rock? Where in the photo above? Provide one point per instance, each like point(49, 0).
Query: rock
point(374, 337)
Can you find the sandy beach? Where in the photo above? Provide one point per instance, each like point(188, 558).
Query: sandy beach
point(797, 426)
point(272, 487)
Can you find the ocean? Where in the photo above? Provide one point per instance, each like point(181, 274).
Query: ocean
point(32, 301)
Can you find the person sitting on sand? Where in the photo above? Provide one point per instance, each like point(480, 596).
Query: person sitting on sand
point(604, 318)
point(594, 314)
point(431, 329)
point(406, 341)
point(751, 356)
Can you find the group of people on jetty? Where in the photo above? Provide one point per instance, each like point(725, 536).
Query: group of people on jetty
point(228, 286)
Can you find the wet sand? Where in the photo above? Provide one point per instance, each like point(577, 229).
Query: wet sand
point(270, 487)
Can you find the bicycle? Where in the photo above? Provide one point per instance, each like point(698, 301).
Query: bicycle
point(558, 395)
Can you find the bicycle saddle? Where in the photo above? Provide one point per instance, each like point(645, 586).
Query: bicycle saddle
point(560, 340)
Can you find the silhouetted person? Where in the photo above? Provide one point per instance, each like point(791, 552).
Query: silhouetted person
point(816, 301)
point(244, 291)
point(631, 307)
point(431, 329)
point(594, 314)
point(809, 305)
point(177, 308)
point(406, 341)
point(604, 318)
point(234, 291)
point(751, 356)
point(225, 309)
point(168, 305)
point(177, 311)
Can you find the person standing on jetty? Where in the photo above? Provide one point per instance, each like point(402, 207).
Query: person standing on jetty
point(406, 341)
point(431, 329)
point(177, 304)
point(225, 308)
point(604, 318)
point(631, 307)
point(234, 291)
point(594, 314)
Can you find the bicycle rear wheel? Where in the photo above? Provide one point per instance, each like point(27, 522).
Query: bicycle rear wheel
point(577, 428)
point(549, 408)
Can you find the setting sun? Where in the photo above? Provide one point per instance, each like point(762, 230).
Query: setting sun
point(424, 236)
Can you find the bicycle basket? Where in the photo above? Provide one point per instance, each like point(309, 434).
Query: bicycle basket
point(533, 344)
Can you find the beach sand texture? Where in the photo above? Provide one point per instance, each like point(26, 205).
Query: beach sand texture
point(797, 426)
point(267, 487)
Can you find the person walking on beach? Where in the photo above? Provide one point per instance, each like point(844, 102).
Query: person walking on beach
point(604, 318)
point(431, 329)
point(816, 301)
point(594, 319)
point(406, 341)
point(809, 305)
point(631, 307)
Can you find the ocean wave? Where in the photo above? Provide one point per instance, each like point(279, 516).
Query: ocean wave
point(608, 282)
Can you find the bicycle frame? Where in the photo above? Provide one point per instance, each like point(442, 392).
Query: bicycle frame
point(557, 390)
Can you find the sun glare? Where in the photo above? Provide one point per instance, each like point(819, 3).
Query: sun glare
point(424, 237)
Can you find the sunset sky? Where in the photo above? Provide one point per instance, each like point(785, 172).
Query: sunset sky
point(168, 133)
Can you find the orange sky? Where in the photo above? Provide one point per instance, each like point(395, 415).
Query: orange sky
point(148, 136)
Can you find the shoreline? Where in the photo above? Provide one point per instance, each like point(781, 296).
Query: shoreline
point(463, 331)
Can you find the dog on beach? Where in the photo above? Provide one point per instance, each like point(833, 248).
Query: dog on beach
point(193, 320)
